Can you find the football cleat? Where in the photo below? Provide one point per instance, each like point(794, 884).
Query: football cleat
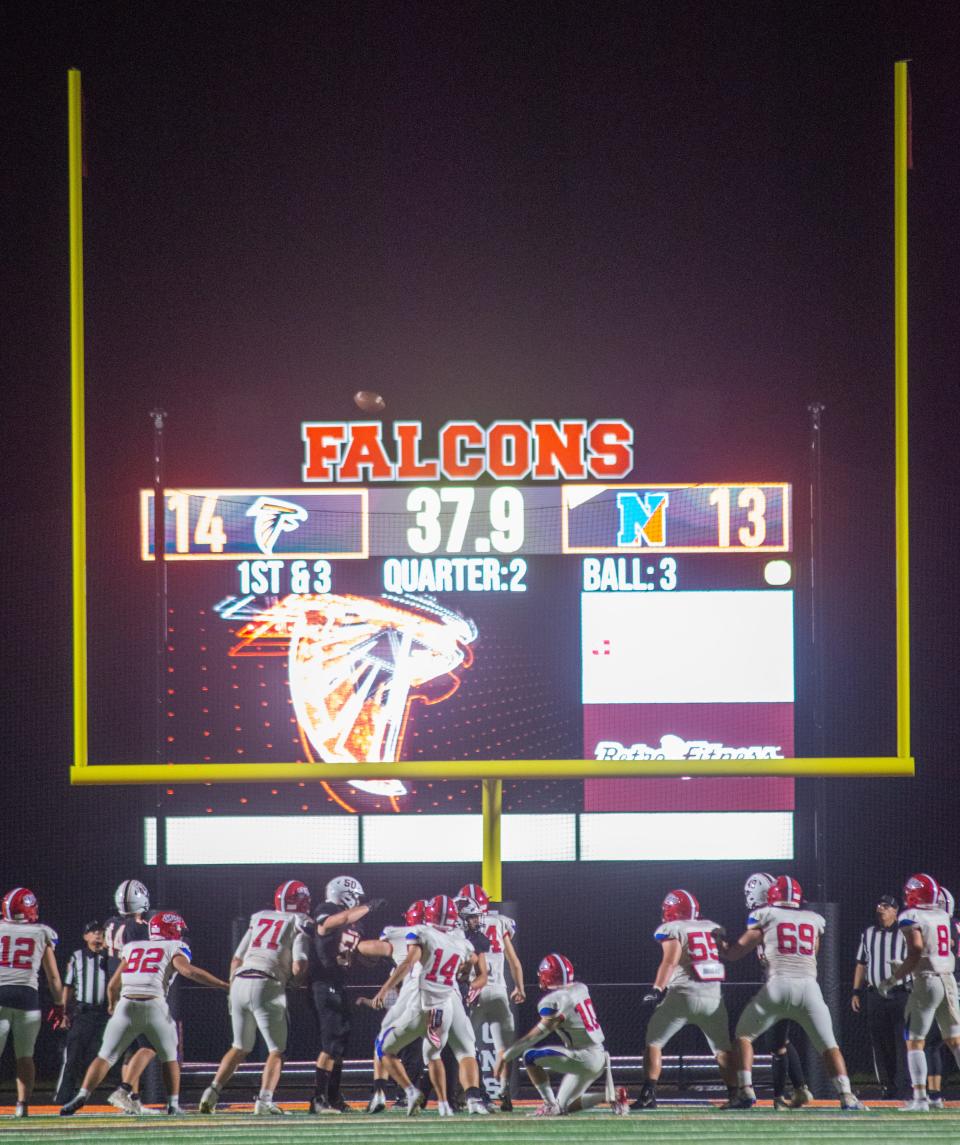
point(414, 1106)
point(746, 1099)
point(647, 1098)
point(208, 1101)
point(292, 896)
point(167, 924)
point(20, 905)
point(344, 891)
point(475, 1105)
point(122, 1100)
point(72, 1106)
point(915, 1105)
point(22, 1109)
point(445, 1109)
point(801, 1097)
point(506, 1102)
point(851, 1101)
point(547, 1110)
point(441, 911)
point(780, 1102)
point(554, 971)
point(175, 1111)
point(263, 1108)
point(935, 1103)
point(679, 905)
point(921, 891)
point(377, 1102)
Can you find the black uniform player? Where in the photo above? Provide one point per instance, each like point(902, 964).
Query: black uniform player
point(129, 924)
point(471, 918)
point(331, 945)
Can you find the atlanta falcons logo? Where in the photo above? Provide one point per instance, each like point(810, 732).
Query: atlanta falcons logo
point(272, 516)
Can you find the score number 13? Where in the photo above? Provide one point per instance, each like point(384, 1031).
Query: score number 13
point(754, 500)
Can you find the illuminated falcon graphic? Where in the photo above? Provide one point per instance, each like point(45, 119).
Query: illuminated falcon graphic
point(271, 517)
point(356, 666)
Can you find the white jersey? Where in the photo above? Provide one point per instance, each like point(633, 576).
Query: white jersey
point(580, 1028)
point(21, 951)
point(496, 928)
point(699, 957)
point(396, 936)
point(790, 940)
point(148, 966)
point(274, 940)
point(937, 934)
point(445, 950)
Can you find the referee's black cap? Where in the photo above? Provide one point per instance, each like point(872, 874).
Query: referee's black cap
point(888, 900)
point(92, 925)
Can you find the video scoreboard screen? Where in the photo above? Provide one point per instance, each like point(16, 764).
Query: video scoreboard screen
point(514, 596)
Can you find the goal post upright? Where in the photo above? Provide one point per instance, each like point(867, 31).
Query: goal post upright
point(78, 493)
point(901, 162)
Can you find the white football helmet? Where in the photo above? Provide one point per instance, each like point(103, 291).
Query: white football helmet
point(755, 889)
point(131, 897)
point(946, 901)
point(344, 891)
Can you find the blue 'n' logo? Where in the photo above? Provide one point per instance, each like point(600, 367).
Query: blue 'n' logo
point(642, 518)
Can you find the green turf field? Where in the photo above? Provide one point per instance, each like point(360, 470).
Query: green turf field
point(676, 1127)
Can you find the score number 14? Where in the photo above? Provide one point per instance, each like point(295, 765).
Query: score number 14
point(504, 520)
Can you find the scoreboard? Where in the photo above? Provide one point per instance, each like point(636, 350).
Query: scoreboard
point(511, 593)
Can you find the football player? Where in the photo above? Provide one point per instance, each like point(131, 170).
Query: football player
point(331, 936)
point(567, 1011)
point(273, 951)
point(392, 944)
point(493, 1003)
point(26, 944)
point(440, 947)
point(933, 1044)
point(137, 995)
point(791, 938)
point(129, 923)
point(784, 1057)
point(685, 991)
point(928, 931)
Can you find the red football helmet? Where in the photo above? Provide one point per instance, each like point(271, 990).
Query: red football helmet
point(292, 895)
point(785, 891)
point(921, 890)
point(20, 905)
point(167, 924)
point(555, 970)
point(413, 915)
point(477, 893)
point(441, 910)
point(679, 905)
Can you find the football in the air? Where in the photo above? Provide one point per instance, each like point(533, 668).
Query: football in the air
point(369, 402)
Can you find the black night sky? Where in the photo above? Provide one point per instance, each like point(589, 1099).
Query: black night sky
point(676, 213)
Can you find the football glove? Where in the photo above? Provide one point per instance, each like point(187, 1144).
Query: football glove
point(653, 998)
point(719, 935)
point(375, 904)
point(57, 1018)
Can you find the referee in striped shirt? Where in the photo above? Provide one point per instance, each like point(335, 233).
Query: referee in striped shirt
point(881, 948)
point(86, 985)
